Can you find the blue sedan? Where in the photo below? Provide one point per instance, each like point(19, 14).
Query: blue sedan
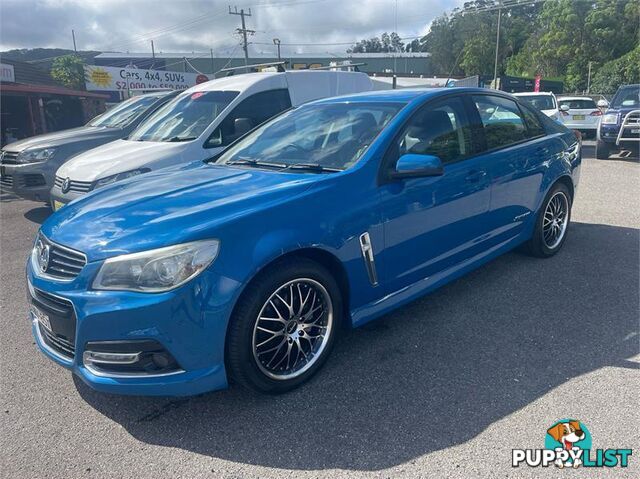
point(249, 265)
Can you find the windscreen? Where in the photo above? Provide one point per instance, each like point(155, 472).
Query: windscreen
point(579, 104)
point(540, 102)
point(627, 97)
point(124, 113)
point(329, 135)
point(185, 118)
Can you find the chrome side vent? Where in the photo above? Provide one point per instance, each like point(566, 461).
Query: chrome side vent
point(367, 255)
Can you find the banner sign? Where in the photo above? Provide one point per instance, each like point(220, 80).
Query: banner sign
point(7, 73)
point(115, 78)
point(536, 85)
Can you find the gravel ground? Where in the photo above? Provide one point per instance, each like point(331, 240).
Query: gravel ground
point(444, 387)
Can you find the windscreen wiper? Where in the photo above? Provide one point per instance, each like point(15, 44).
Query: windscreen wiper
point(313, 167)
point(256, 163)
point(176, 139)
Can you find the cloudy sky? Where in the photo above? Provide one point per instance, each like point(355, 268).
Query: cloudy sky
point(198, 25)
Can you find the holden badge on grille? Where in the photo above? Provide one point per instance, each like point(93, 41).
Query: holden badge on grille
point(42, 251)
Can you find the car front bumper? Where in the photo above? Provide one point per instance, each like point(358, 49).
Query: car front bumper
point(190, 323)
point(29, 181)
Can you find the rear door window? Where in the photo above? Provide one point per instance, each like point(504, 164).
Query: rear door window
point(502, 121)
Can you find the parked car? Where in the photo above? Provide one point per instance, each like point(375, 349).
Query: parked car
point(198, 124)
point(583, 114)
point(546, 102)
point(620, 124)
point(27, 167)
point(331, 214)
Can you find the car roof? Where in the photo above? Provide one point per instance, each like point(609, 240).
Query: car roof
point(533, 93)
point(234, 82)
point(575, 98)
point(403, 95)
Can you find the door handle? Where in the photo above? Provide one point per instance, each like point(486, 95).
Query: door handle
point(475, 176)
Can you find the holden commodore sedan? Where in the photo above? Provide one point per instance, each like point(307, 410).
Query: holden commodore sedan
point(247, 266)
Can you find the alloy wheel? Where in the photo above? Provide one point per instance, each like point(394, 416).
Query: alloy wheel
point(292, 329)
point(555, 220)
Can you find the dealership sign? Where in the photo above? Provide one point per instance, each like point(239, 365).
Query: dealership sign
point(113, 78)
point(7, 73)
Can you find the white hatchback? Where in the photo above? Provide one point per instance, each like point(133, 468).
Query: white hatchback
point(545, 102)
point(583, 113)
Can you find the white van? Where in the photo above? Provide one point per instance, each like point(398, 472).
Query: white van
point(198, 124)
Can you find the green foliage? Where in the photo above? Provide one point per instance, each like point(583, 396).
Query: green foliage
point(621, 71)
point(69, 70)
point(556, 38)
point(388, 42)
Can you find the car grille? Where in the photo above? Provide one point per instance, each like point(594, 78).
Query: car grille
point(6, 181)
point(9, 158)
point(632, 119)
point(64, 263)
point(78, 186)
point(63, 320)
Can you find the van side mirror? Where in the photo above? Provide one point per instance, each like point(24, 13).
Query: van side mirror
point(602, 103)
point(564, 108)
point(411, 165)
point(242, 126)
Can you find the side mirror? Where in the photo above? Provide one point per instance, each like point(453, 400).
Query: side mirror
point(564, 108)
point(602, 103)
point(242, 126)
point(411, 165)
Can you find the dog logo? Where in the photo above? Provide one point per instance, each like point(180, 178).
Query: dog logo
point(568, 436)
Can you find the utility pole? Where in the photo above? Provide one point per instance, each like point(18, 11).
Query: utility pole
point(589, 79)
point(212, 69)
point(243, 30)
point(495, 66)
point(73, 35)
point(276, 41)
point(153, 52)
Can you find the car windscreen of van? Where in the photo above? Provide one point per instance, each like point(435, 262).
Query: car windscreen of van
point(185, 118)
point(124, 113)
point(540, 102)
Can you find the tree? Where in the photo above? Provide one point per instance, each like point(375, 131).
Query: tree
point(69, 70)
point(388, 42)
point(621, 71)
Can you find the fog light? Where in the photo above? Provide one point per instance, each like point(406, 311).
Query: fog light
point(110, 358)
point(129, 358)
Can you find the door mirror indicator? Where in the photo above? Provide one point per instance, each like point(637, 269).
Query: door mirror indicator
point(411, 165)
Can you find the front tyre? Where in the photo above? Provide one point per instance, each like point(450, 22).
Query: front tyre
point(284, 326)
point(552, 223)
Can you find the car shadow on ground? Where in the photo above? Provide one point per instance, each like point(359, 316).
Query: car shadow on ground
point(430, 376)
point(38, 215)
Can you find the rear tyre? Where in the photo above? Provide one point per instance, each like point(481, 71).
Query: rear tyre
point(603, 150)
point(552, 223)
point(284, 326)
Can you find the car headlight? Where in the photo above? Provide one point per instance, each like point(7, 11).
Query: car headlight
point(157, 270)
point(609, 119)
point(35, 155)
point(120, 176)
